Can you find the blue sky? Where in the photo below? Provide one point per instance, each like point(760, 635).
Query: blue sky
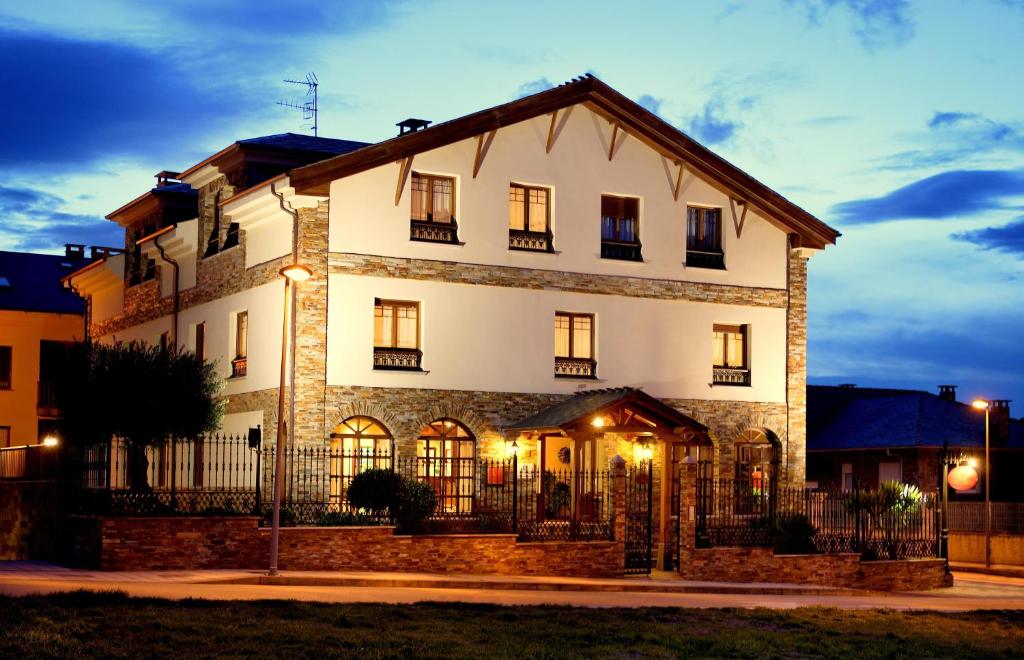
point(899, 122)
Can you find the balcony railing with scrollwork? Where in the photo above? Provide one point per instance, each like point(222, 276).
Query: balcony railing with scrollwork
point(407, 359)
point(434, 232)
point(567, 367)
point(699, 259)
point(623, 251)
point(533, 241)
point(731, 376)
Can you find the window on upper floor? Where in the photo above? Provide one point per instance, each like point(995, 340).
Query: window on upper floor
point(6, 355)
point(240, 363)
point(200, 347)
point(396, 335)
point(433, 209)
point(620, 228)
point(574, 345)
point(529, 218)
point(731, 355)
point(704, 238)
point(140, 267)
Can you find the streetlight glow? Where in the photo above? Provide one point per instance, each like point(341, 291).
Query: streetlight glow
point(979, 404)
point(296, 273)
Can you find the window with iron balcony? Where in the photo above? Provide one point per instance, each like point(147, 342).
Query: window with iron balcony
point(731, 366)
point(574, 346)
point(529, 219)
point(704, 238)
point(396, 335)
point(433, 209)
point(620, 228)
point(240, 364)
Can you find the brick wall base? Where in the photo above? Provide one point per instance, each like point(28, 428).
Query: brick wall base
point(839, 570)
point(189, 543)
point(28, 520)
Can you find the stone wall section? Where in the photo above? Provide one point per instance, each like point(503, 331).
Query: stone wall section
point(346, 263)
point(795, 444)
point(28, 520)
point(311, 329)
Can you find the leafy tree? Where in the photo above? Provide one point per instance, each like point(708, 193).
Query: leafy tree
point(142, 394)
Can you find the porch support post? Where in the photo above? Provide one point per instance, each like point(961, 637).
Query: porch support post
point(619, 508)
point(687, 515)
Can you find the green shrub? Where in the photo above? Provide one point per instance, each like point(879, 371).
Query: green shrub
point(415, 504)
point(794, 535)
point(376, 491)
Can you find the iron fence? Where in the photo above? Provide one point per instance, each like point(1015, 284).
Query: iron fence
point(223, 474)
point(874, 524)
point(1007, 517)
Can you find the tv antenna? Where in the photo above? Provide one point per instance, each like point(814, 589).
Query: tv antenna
point(309, 109)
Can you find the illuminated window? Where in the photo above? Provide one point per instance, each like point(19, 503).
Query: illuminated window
point(5, 367)
point(574, 345)
point(529, 218)
point(704, 238)
point(433, 208)
point(396, 334)
point(446, 459)
point(620, 228)
point(357, 444)
point(729, 348)
point(240, 364)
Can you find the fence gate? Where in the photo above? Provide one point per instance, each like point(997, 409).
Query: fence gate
point(639, 522)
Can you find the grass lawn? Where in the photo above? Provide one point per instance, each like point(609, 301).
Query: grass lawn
point(94, 625)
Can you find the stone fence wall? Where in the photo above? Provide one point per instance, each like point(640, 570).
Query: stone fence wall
point(28, 520)
point(970, 547)
point(190, 543)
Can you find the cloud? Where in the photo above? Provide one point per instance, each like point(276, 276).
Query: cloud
point(829, 120)
point(534, 87)
point(946, 195)
point(955, 136)
point(875, 23)
point(711, 125)
point(284, 18)
point(1007, 238)
point(33, 220)
point(650, 103)
point(95, 100)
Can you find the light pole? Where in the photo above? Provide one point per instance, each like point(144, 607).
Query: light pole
point(981, 404)
point(292, 274)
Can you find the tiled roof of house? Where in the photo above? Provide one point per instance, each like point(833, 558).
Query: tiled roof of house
point(875, 418)
point(31, 283)
point(301, 142)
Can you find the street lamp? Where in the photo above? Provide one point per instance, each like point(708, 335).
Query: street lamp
point(981, 404)
point(292, 274)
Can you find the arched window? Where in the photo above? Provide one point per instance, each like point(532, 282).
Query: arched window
point(357, 444)
point(446, 459)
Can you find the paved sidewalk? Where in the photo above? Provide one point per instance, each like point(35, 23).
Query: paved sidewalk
point(1006, 570)
point(969, 592)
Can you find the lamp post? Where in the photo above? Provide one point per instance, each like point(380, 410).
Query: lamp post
point(292, 274)
point(981, 404)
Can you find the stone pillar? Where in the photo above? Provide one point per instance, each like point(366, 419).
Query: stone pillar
point(687, 515)
point(795, 459)
point(311, 329)
point(619, 508)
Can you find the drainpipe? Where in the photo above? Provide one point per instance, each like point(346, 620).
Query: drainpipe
point(174, 265)
point(294, 311)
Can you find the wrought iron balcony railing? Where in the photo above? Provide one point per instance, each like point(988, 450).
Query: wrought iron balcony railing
point(407, 359)
point(239, 367)
point(731, 376)
point(698, 259)
point(434, 232)
point(532, 241)
point(623, 251)
point(567, 367)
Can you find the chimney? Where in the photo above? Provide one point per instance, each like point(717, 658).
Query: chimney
point(74, 251)
point(947, 392)
point(411, 125)
point(999, 417)
point(166, 178)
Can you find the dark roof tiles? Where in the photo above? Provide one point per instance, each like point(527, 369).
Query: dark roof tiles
point(33, 283)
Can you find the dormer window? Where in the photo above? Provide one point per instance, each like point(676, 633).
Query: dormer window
point(433, 209)
point(620, 228)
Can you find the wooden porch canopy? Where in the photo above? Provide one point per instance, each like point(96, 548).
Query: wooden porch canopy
point(614, 410)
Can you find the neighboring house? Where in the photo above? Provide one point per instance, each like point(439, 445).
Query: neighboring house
point(38, 317)
point(517, 274)
point(863, 436)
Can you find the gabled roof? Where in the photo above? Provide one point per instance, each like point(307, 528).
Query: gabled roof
point(878, 418)
point(316, 148)
point(315, 179)
point(32, 283)
point(580, 407)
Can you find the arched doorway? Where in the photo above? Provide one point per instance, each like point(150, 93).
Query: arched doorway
point(357, 444)
point(446, 459)
point(756, 470)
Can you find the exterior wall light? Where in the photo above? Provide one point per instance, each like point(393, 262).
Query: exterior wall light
point(597, 422)
point(50, 441)
point(296, 272)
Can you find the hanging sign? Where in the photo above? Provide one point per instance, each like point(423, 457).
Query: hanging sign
point(963, 477)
